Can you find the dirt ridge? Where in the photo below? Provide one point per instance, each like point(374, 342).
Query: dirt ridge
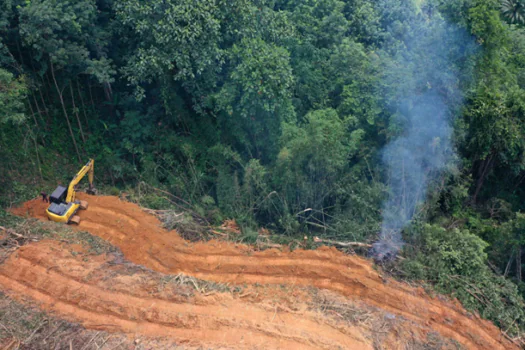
point(144, 242)
point(36, 272)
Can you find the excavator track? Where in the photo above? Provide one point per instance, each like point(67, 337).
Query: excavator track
point(83, 205)
point(75, 219)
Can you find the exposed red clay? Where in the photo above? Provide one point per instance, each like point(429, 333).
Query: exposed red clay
point(143, 241)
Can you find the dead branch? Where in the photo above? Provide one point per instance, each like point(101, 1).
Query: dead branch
point(166, 192)
point(156, 210)
point(12, 345)
point(218, 233)
point(188, 208)
point(342, 244)
point(270, 245)
point(475, 296)
point(159, 213)
point(514, 341)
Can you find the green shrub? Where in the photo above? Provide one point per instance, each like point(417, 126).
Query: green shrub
point(455, 263)
point(113, 191)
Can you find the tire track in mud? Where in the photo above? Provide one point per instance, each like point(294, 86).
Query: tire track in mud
point(37, 271)
point(144, 242)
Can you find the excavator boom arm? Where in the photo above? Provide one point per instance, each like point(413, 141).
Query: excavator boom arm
point(89, 169)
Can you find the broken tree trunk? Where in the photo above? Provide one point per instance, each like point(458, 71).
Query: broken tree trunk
point(509, 264)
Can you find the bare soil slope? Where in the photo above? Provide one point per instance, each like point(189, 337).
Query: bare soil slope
point(107, 297)
point(143, 241)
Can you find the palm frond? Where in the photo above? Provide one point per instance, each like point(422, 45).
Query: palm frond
point(513, 11)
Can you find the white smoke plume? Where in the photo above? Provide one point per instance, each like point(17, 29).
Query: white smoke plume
point(427, 75)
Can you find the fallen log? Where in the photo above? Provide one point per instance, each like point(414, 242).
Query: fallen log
point(218, 233)
point(342, 244)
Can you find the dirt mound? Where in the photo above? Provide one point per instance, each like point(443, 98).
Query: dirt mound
point(144, 242)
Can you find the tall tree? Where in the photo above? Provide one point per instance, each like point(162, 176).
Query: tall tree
point(13, 92)
point(256, 98)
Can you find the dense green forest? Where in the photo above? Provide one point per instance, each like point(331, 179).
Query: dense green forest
point(354, 120)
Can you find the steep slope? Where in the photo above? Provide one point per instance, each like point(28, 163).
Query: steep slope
point(144, 242)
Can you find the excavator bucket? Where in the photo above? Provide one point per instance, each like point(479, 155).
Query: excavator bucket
point(75, 219)
point(91, 190)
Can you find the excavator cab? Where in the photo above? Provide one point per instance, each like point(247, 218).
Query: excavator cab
point(58, 205)
point(63, 205)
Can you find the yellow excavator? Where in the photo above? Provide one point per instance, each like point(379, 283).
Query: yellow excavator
point(63, 206)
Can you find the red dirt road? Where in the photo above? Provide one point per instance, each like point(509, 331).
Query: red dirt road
point(144, 242)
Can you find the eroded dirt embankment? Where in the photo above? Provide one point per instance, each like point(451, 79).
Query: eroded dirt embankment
point(144, 242)
point(110, 296)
